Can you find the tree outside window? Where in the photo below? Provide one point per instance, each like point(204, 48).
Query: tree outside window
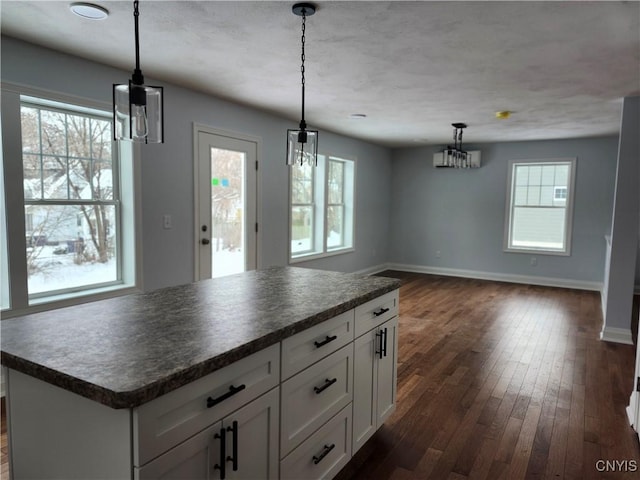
point(70, 199)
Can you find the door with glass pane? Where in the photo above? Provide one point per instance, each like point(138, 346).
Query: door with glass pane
point(225, 204)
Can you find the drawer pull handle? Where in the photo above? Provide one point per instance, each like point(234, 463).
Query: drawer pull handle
point(325, 452)
point(234, 441)
point(232, 391)
point(325, 341)
point(223, 453)
point(326, 385)
point(377, 313)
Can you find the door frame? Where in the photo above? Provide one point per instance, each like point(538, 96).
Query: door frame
point(197, 128)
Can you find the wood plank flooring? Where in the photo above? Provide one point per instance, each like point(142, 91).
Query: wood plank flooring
point(502, 381)
point(498, 381)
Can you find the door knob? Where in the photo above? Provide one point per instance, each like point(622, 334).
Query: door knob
point(205, 241)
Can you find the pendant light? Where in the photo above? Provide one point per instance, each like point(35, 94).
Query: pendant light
point(138, 109)
point(302, 144)
point(455, 156)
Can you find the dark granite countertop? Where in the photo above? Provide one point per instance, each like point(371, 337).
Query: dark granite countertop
point(126, 351)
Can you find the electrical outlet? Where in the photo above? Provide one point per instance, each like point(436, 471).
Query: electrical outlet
point(438, 254)
point(166, 222)
point(534, 261)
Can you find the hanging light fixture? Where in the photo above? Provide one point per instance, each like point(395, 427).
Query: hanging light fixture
point(455, 156)
point(138, 109)
point(302, 144)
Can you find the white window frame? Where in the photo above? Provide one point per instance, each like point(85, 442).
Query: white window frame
point(128, 180)
point(569, 204)
point(320, 248)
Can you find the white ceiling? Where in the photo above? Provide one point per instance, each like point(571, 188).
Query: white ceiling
point(412, 67)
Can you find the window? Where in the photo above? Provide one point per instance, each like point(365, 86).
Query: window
point(322, 200)
point(540, 203)
point(77, 208)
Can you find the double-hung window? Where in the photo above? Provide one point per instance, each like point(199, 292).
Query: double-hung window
point(540, 206)
point(322, 208)
point(77, 203)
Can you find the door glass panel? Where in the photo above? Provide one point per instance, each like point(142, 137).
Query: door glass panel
point(227, 212)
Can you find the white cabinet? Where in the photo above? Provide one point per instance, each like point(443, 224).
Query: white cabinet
point(324, 453)
point(298, 409)
point(172, 418)
point(243, 445)
point(374, 380)
point(307, 347)
point(314, 396)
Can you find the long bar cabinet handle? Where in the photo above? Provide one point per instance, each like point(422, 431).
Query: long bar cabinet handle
point(232, 391)
point(234, 440)
point(223, 453)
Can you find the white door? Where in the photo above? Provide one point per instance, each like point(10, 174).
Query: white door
point(226, 185)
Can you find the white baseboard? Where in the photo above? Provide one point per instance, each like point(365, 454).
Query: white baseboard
point(373, 270)
point(499, 277)
point(616, 335)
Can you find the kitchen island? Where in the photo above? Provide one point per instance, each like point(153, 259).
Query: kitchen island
point(255, 375)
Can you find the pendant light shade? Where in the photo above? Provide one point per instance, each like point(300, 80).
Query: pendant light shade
point(302, 147)
point(302, 144)
point(138, 109)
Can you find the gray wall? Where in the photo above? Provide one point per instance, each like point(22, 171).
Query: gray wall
point(461, 212)
point(167, 169)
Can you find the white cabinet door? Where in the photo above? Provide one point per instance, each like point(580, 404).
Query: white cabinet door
point(365, 386)
point(387, 370)
point(374, 380)
point(242, 446)
point(193, 459)
point(255, 427)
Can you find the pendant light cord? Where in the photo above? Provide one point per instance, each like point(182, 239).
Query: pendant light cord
point(137, 73)
point(303, 124)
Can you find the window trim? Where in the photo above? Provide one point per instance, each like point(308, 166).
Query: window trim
point(568, 219)
point(20, 302)
point(325, 252)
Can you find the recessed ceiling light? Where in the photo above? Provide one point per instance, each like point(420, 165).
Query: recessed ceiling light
point(357, 116)
point(89, 10)
point(503, 115)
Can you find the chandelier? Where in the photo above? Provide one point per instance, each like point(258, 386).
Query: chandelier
point(455, 156)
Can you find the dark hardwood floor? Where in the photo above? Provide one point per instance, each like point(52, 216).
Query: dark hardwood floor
point(502, 381)
point(499, 381)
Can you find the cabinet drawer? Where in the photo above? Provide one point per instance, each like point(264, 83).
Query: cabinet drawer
point(313, 396)
point(172, 418)
point(324, 453)
point(315, 343)
point(375, 312)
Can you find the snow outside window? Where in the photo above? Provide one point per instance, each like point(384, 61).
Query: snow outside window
point(78, 205)
point(322, 201)
point(540, 204)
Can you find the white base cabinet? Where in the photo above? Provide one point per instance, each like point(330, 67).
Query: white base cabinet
point(244, 445)
point(374, 380)
point(298, 409)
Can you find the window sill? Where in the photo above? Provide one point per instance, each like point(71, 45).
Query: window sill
point(540, 251)
point(316, 256)
point(53, 302)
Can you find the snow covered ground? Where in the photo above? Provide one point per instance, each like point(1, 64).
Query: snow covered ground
point(58, 272)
